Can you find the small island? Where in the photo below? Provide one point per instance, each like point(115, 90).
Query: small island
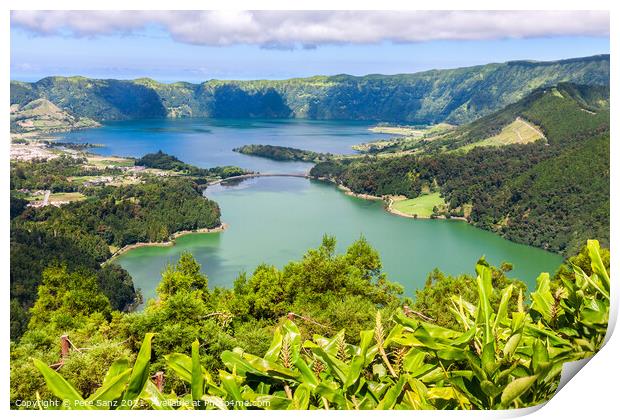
point(282, 153)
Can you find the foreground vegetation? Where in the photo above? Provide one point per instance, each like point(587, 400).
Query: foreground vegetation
point(498, 354)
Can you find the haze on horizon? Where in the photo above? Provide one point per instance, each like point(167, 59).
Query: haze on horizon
point(198, 46)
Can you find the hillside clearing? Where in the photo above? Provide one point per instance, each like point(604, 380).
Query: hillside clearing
point(517, 132)
point(65, 197)
point(421, 206)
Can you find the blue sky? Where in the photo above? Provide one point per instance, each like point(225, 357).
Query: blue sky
point(160, 51)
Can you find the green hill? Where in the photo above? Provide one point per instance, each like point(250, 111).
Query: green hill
point(553, 194)
point(456, 95)
point(559, 112)
point(41, 115)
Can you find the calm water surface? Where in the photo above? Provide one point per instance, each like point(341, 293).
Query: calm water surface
point(276, 220)
point(206, 142)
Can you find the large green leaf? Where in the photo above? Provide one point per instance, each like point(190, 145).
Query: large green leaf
point(485, 288)
point(229, 383)
point(156, 400)
point(540, 356)
point(597, 263)
point(61, 388)
point(516, 388)
point(139, 373)
point(338, 369)
point(360, 360)
point(276, 345)
point(542, 298)
point(301, 398)
point(197, 377)
point(118, 367)
point(306, 373)
point(111, 390)
point(502, 309)
point(391, 396)
point(181, 364)
point(294, 338)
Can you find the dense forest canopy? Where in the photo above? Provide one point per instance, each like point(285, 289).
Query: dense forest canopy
point(161, 160)
point(552, 194)
point(81, 235)
point(282, 153)
point(457, 95)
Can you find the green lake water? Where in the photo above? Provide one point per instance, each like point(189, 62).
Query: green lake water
point(276, 219)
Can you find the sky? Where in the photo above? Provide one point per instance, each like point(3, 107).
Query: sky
point(202, 45)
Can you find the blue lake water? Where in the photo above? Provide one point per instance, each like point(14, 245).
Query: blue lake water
point(208, 142)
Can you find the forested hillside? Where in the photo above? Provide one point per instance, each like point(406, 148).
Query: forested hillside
point(455, 96)
point(79, 236)
point(552, 193)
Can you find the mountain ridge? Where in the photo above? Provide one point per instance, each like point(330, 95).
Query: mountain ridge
point(457, 95)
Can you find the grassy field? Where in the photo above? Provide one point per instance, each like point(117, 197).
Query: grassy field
point(422, 205)
point(104, 161)
point(518, 131)
point(398, 130)
point(66, 197)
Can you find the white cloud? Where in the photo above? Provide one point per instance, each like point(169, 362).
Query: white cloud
point(308, 29)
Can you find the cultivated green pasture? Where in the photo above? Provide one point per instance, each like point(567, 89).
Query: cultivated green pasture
point(422, 205)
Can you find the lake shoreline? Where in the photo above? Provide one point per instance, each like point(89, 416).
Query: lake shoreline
point(220, 228)
point(387, 199)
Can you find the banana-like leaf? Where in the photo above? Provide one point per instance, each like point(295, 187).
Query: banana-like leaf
point(540, 356)
point(139, 373)
point(306, 373)
point(118, 367)
point(254, 365)
point(181, 364)
point(61, 388)
point(485, 288)
point(198, 380)
point(156, 400)
point(447, 393)
point(591, 281)
point(301, 398)
point(502, 309)
point(490, 388)
point(516, 388)
point(337, 368)
point(542, 298)
point(229, 383)
point(391, 396)
point(597, 263)
point(111, 390)
point(489, 363)
point(332, 392)
point(276, 345)
point(360, 360)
